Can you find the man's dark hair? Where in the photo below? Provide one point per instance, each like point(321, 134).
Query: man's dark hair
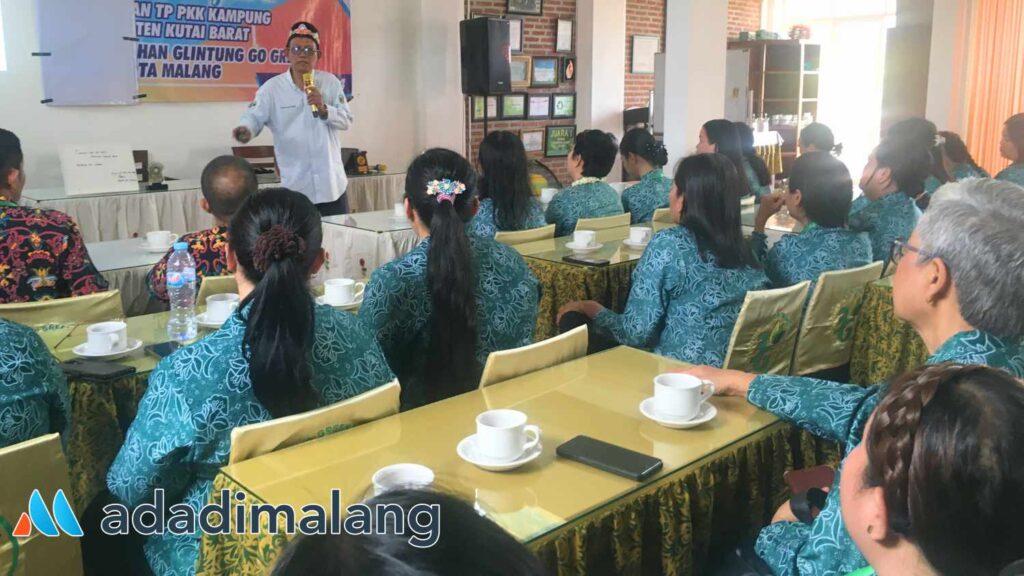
point(227, 181)
point(11, 156)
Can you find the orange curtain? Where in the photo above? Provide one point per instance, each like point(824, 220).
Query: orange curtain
point(995, 76)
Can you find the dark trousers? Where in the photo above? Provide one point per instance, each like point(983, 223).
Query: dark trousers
point(597, 343)
point(105, 555)
point(339, 206)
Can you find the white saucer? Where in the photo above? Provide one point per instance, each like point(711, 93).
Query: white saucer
point(632, 245)
point(146, 247)
point(584, 249)
point(203, 322)
point(350, 306)
point(747, 201)
point(82, 351)
point(706, 414)
point(467, 451)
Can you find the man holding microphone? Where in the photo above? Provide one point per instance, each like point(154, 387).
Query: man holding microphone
point(305, 110)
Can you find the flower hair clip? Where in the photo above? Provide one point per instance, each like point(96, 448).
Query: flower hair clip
point(445, 189)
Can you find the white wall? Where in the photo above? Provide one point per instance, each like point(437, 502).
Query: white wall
point(390, 43)
point(600, 59)
point(696, 37)
point(947, 74)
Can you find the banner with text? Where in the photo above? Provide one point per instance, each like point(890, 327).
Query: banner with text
point(223, 50)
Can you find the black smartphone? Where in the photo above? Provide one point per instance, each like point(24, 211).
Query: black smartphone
point(163, 350)
point(584, 261)
point(95, 370)
point(610, 458)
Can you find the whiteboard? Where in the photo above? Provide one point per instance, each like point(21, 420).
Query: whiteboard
point(98, 169)
point(84, 57)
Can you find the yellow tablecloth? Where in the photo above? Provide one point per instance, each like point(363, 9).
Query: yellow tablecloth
point(883, 345)
point(562, 282)
point(772, 156)
point(720, 483)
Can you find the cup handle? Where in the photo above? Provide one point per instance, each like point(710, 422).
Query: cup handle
point(709, 390)
point(174, 238)
point(115, 341)
point(360, 288)
point(536, 437)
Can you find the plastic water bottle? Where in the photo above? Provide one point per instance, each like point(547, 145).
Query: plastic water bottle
point(181, 289)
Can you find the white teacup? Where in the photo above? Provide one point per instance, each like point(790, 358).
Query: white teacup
point(681, 395)
point(584, 238)
point(640, 235)
point(547, 194)
point(342, 291)
point(400, 210)
point(159, 238)
point(398, 476)
point(220, 306)
point(502, 435)
point(106, 337)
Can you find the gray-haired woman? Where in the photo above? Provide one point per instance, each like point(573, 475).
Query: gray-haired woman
point(960, 283)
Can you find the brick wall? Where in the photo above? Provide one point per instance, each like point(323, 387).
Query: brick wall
point(743, 15)
point(539, 34)
point(643, 18)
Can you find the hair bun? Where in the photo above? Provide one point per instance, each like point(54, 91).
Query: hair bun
point(276, 244)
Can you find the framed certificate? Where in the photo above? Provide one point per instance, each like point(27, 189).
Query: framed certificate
point(545, 72)
point(533, 140)
point(563, 106)
point(559, 141)
point(513, 106)
point(540, 107)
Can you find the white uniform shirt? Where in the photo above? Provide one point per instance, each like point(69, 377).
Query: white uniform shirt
point(308, 149)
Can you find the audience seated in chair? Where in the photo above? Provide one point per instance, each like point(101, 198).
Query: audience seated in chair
point(720, 136)
point(442, 308)
point(758, 176)
point(937, 485)
point(42, 255)
point(958, 283)
point(507, 203)
point(34, 397)
point(643, 157)
point(279, 354)
point(690, 284)
point(1011, 147)
point(589, 196)
point(819, 196)
point(227, 181)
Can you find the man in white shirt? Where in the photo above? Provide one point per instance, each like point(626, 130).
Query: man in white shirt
point(307, 143)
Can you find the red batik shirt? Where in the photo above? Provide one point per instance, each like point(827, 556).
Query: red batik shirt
point(42, 256)
point(208, 249)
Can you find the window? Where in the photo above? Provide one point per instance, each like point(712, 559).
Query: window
point(3, 54)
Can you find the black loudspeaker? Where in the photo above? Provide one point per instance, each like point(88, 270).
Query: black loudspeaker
point(486, 56)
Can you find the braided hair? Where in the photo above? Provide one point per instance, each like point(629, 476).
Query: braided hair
point(945, 447)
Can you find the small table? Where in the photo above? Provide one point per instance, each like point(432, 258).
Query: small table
point(124, 264)
point(720, 482)
point(359, 243)
point(883, 345)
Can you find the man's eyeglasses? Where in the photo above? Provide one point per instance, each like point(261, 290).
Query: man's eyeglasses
point(900, 249)
point(304, 51)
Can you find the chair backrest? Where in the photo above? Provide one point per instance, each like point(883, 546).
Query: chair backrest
point(262, 158)
point(826, 333)
point(80, 309)
point(37, 464)
point(264, 437)
point(662, 216)
point(508, 364)
point(215, 285)
point(617, 221)
point(523, 236)
point(141, 159)
point(764, 337)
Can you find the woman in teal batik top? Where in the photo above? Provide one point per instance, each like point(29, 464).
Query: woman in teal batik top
point(279, 354)
point(893, 176)
point(820, 190)
point(690, 284)
point(34, 397)
point(957, 159)
point(506, 199)
point(643, 158)
point(1012, 148)
point(937, 485)
point(721, 136)
point(589, 196)
point(758, 175)
point(441, 309)
point(965, 307)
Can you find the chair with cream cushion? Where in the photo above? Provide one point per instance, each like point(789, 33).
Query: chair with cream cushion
point(508, 364)
point(765, 334)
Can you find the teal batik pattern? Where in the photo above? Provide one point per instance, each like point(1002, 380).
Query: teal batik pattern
point(643, 198)
point(806, 256)
point(965, 171)
point(397, 309)
point(196, 396)
point(839, 412)
point(1013, 173)
point(34, 398)
point(755, 185)
point(680, 305)
point(892, 217)
point(592, 199)
point(485, 222)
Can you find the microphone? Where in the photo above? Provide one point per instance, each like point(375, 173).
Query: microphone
point(307, 81)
